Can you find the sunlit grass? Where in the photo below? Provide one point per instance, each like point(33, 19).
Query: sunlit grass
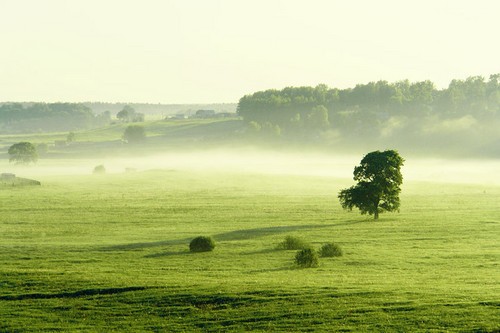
point(111, 252)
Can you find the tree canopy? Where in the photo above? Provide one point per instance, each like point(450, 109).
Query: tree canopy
point(128, 114)
point(30, 117)
point(382, 112)
point(379, 179)
point(134, 134)
point(23, 153)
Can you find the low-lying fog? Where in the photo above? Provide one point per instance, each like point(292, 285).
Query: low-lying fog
point(310, 164)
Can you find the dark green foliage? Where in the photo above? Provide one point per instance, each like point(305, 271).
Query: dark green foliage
point(202, 244)
point(128, 114)
point(100, 169)
point(292, 243)
point(330, 250)
point(382, 112)
point(294, 111)
point(17, 117)
point(125, 114)
point(307, 258)
point(23, 153)
point(134, 134)
point(402, 97)
point(379, 179)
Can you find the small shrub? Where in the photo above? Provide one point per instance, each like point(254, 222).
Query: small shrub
point(293, 243)
point(330, 250)
point(202, 244)
point(307, 258)
point(100, 169)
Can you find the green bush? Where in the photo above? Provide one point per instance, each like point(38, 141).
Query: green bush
point(202, 244)
point(293, 243)
point(307, 258)
point(100, 169)
point(330, 250)
point(134, 134)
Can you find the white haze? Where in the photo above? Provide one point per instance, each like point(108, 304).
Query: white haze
point(254, 162)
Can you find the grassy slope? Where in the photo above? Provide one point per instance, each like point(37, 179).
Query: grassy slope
point(210, 133)
point(102, 253)
point(192, 133)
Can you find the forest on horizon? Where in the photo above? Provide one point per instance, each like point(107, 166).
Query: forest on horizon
point(463, 118)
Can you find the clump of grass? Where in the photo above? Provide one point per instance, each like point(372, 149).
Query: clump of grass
point(330, 250)
point(202, 244)
point(292, 243)
point(307, 258)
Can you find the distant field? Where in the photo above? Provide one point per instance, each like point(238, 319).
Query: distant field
point(161, 135)
point(110, 253)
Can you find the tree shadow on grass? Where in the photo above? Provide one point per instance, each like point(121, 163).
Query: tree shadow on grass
point(263, 232)
point(167, 254)
point(144, 245)
point(74, 294)
point(263, 251)
point(269, 270)
point(230, 236)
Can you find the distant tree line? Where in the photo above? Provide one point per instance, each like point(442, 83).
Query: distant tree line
point(18, 117)
point(376, 110)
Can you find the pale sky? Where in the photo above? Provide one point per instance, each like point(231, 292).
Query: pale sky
point(203, 51)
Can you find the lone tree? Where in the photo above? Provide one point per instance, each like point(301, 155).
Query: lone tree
point(128, 114)
point(134, 134)
point(23, 153)
point(70, 137)
point(379, 179)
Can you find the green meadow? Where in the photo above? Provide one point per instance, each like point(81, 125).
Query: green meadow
point(109, 252)
point(102, 253)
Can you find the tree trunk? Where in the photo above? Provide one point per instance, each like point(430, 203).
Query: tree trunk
point(375, 215)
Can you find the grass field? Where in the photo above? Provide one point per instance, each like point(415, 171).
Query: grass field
point(161, 135)
point(110, 253)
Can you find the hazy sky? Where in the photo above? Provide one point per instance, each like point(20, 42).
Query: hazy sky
point(200, 51)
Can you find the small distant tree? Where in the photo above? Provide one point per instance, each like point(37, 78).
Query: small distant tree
point(379, 179)
point(128, 114)
point(99, 169)
point(23, 153)
point(70, 137)
point(134, 134)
